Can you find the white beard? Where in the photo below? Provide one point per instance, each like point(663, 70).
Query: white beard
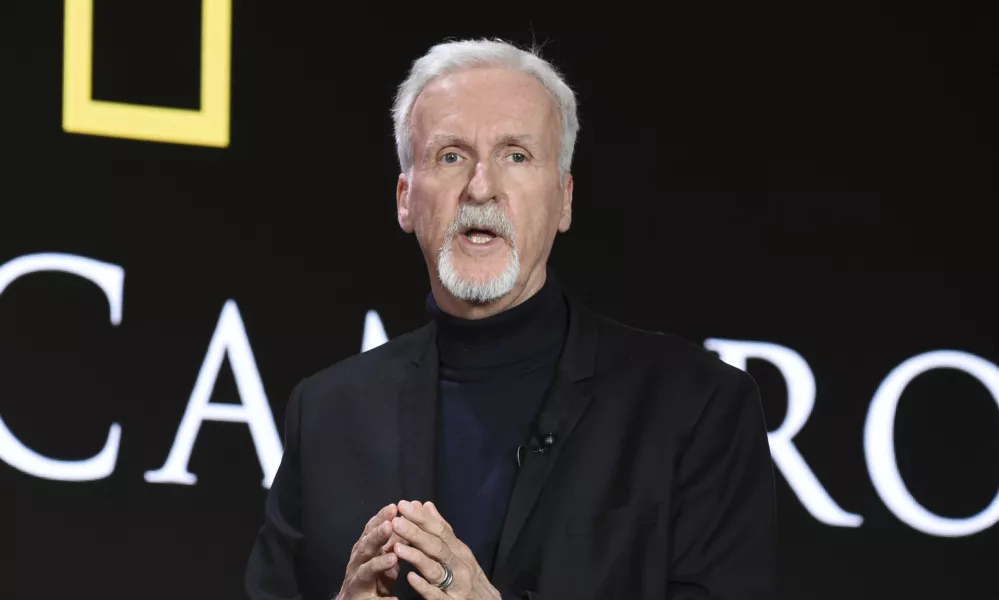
point(490, 217)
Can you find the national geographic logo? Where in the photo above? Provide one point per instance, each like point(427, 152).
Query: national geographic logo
point(208, 126)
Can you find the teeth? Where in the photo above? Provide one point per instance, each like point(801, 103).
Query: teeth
point(479, 239)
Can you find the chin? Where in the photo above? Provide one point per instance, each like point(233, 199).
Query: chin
point(470, 280)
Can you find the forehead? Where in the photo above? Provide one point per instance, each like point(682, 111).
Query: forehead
point(484, 101)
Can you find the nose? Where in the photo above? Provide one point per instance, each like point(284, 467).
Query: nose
point(482, 186)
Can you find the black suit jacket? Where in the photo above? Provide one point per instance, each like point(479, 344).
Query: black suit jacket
point(659, 486)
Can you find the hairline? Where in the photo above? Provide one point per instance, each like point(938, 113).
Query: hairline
point(485, 54)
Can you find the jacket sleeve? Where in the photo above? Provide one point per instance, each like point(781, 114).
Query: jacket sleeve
point(723, 544)
point(272, 569)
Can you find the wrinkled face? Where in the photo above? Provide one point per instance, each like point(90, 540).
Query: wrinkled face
point(485, 196)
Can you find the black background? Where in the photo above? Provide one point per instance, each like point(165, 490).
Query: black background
point(826, 183)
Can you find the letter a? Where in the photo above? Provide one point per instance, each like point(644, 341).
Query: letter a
point(374, 332)
point(800, 400)
point(229, 339)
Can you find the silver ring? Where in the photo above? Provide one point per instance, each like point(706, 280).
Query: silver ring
point(448, 577)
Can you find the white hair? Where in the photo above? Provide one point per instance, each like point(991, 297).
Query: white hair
point(449, 57)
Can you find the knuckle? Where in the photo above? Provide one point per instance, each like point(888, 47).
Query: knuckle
point(363, 573)
point(441, 552)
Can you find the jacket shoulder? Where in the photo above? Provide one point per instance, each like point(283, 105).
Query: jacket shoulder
point(378, 364)
point(666, 353)
point(674, 374)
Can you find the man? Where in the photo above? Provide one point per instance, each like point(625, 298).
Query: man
point(518, 445)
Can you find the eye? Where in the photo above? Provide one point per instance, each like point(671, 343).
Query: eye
point(450, 158)
point(518, 157)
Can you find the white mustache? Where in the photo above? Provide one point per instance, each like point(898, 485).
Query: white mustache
point(481, 216)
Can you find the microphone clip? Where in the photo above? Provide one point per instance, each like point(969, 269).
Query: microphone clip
point(547, 442)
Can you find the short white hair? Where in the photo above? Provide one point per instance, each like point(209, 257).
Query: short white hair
point(449, 57)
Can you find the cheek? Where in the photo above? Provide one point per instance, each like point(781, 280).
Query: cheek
point(424, 224)
point(532, 233)
point(431, 213)
point(537, 222)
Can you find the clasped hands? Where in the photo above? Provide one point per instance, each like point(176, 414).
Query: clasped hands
point(417, 533)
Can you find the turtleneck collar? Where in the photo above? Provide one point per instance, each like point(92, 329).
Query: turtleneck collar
point(513, 340)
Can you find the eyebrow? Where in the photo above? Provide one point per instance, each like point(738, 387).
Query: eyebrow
point(508, 139)
point(517, 139)
point(442, 140)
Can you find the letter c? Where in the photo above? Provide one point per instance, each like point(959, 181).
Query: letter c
point(110, 278)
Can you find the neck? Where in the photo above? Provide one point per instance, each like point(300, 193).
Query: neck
point(506, 340)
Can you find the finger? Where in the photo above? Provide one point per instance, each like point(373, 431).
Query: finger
point(372, 522)
point(370, 570)
point(386, 580)
point(426, 519)
point(395, 539)
point(387, 512)
point(429, 592)
point(367, 546)
point(431, 545)
point(371, 543)
point(433, 510)
point(429, 568)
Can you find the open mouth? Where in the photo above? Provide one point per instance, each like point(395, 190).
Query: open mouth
point(479, 236)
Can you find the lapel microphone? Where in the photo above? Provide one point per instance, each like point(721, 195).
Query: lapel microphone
point(548, 422)
point(547, 441)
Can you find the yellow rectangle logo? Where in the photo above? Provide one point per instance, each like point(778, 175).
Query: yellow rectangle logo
point(208, 126)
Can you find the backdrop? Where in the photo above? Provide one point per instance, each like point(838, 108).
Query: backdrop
point(198, 211)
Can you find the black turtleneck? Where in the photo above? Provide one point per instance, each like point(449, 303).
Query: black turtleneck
point(494, 374)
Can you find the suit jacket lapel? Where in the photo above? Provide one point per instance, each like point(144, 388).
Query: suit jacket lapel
point(563, 409)
point(418, 422)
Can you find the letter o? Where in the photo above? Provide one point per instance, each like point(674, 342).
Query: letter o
point(879, 443)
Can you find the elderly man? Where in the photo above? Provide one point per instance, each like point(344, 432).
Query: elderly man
point(518, 445)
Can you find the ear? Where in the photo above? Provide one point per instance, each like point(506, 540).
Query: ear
point(402, 203)
point(566, 219)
